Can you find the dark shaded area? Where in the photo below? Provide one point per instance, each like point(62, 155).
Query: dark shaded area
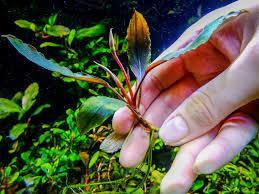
point(167, 20)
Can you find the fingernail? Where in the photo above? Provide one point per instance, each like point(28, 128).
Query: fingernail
point(173, 130)
point(204, 168)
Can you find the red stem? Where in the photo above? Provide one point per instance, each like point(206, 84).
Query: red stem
point(124, 73)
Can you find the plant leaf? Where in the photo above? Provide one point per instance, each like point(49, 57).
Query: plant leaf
point(138, 38)
point(17, 130)
point(38, 58)
point(90, 32)
point(71, 36)
point(112, 143)
point(29, 96)
point(17, 97)
point(202, 38)
point(94, 158)
point(7, 107)
point(198, 184)
point(84, 156)
point(13, 178)
point(95, 110)
point(50, 44)
point(56, 30)
point(52, 19)
point(26, 24)
point(40, 109)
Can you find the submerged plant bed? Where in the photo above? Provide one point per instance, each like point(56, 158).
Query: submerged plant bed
point(65, 156)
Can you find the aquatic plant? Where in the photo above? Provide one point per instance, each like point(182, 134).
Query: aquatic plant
point(95, 110)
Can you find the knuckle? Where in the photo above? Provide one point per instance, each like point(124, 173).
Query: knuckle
point(224, 147)
point(202, 109)
point(155, 81)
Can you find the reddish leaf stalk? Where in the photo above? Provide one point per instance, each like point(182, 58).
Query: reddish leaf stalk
point(116, 58)
point(117, 81)
point(114, 54)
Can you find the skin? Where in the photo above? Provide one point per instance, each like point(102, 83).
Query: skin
point(205, 101)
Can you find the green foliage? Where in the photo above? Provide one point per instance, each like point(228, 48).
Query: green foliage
point(17, 130)
point(90, 32)
point(56, 30)
point(95, 110)
point(7, 107)
point(13, 134)
point(76, 48)
point(26, 24)
point(29, 96)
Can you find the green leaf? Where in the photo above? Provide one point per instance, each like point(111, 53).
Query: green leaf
point(1, 137)
point(90, 32)
point(100, 50)
point(7, 107)
point(71, 36)
point(13, 178)
point(26, 24)
point(47, 168)
point(38, 58)
point(131, 190)
point(94, 159)
point(14, 147)
point(52, 19)
point(157, 176)
point(202, 38)
point(56, 30)
point(17, 130)
point(7, 171)
point(50, 44)
point(29, 96)
point(40, 109)
point(26, 156)
point(139, 51)
point(73, 157)
point(197, 185)
point(95, 110)
point(17, 97)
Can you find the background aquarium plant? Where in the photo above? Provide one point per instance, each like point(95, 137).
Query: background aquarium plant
point(43, 149)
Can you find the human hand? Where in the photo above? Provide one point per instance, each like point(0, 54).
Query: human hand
point(205, 99)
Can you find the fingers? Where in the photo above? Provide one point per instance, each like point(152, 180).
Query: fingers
point(235, 133)
point(180, 177)
point(133, 151)
point(122, 120)
point(205, 108)
point(156, 81)
point(169, 100)
point(134, 148)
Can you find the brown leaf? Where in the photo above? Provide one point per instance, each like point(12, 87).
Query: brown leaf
point(138, 38)
point(112, 143)
point(84, 156)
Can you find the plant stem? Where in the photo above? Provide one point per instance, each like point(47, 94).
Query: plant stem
point(149, 159)
point(117, 82)
point(115, 56)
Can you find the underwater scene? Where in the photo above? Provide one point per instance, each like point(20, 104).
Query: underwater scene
point(128, 96)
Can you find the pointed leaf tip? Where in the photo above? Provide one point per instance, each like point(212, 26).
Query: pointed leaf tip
point(138, 38)
point(111, 41)
point(31, 53)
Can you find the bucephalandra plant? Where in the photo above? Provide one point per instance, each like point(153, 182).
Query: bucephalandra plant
point(96, 110)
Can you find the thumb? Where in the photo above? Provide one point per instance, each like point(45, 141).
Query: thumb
point(210, 104)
